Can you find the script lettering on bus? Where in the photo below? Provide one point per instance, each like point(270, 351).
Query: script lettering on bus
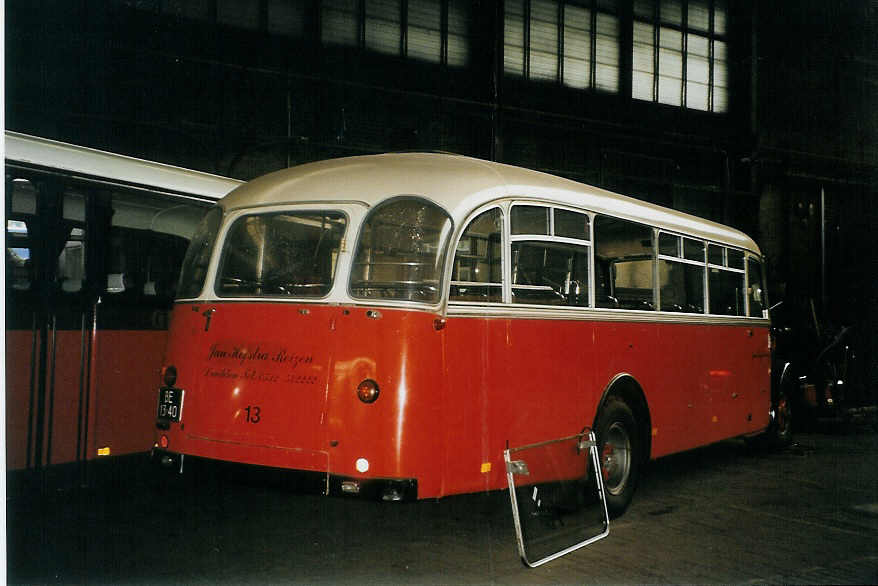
point(249, 359)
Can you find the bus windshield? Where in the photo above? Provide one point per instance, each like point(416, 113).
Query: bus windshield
point(401, 251)
point(197, 257)
point(281, 254)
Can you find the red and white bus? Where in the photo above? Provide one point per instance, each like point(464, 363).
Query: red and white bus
point(94, 244)
point(392, 323)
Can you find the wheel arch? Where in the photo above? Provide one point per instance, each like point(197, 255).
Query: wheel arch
point(625, 387)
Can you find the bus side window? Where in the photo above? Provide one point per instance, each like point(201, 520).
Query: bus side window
point(477, 275)
point(681, 274)
point(146, 243)
point(549, 273)
point(725, 282)
point(755, 288)
point(627, 249)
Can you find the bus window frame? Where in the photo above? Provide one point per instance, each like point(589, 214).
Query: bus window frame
point(443, 251)
point(681, 258)
point(504, 257)
point(551, 238)
point(229, 220)
point(352, 217)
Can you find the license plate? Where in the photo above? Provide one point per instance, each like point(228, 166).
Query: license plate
point(170, 404)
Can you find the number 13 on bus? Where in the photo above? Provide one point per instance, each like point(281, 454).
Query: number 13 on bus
point(392, 323)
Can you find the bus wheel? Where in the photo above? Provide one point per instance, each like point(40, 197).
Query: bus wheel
point(781, 432)
point(620, 454)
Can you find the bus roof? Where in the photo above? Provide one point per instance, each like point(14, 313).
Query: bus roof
point(459, 184)
point(78, 160)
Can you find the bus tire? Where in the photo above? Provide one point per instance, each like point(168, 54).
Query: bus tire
point(780, 433)
point(620, 452)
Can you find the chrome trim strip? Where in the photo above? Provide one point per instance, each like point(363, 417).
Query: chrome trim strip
point(587, 314)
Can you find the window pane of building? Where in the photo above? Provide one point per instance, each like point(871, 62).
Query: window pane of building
point(513, 38)
point(719, 17)
point(577, 46)
point(607, 54)
point(671, 12)
point(644, 9)
point(670, 66)
point(720, 78)
point(698, 15)
point(237, 14)
point(339, 22)
point(286, 18)
point(383, 26)
point(643, 61)
point(425, 30)
point(458, 32)
point(543, 39)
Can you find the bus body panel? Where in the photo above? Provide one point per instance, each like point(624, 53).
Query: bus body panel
point(513, 382)
point(126, 367)
point(282, 378)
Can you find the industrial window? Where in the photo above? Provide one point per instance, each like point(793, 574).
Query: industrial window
point(572, 43)
point(435, 31)
point(680, 53)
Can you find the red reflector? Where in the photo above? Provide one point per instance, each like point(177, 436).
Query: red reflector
point(169, 375)
point(163, 441)
point(368, 391)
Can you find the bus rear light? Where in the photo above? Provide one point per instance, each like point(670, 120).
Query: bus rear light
point(163, 441)
point(169, 375)
point(367, 391)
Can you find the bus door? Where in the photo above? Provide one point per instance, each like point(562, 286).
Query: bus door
point(49, 311)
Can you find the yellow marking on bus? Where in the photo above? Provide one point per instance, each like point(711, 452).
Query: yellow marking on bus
point(715, 419)
point(104, 451)
point(654, 431)
point(486, 467)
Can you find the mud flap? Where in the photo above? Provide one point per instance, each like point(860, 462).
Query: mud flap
point(557, 496)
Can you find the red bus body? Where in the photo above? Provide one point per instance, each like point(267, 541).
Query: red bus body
point(273, 381)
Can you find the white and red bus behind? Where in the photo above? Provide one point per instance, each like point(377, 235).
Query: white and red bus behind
point(94, 244)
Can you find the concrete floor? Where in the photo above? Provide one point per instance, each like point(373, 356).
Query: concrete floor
point(726, 513)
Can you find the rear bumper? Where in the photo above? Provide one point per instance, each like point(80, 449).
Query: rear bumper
point(307, 481)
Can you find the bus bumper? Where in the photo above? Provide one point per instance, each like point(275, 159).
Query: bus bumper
point(384, 489)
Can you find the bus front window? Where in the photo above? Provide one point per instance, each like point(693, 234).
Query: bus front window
point(401, 251)
point(281, 254)
point(197, 257)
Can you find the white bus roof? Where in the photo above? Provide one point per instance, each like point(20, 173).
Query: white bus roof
point(52, 154)
point(459, 184)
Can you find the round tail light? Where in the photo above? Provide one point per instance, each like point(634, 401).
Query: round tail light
point(169, 375)
point(367, 391)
